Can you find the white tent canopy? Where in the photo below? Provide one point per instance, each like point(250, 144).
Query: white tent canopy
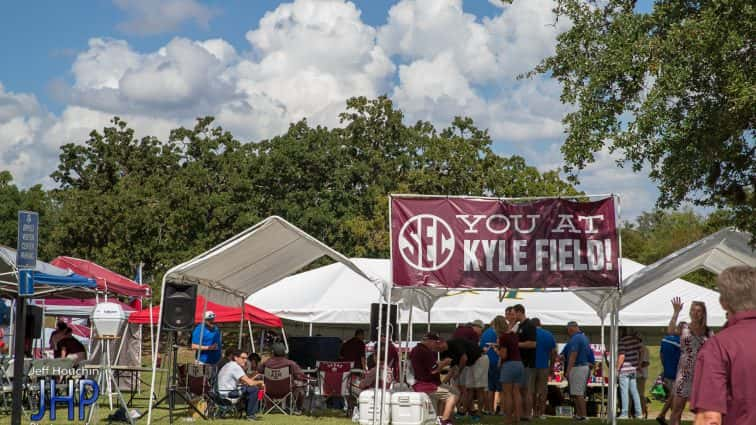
point(716, 252)
point(254, 259)
point(334, 294)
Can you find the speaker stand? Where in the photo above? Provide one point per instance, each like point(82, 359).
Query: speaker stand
point(171, 390)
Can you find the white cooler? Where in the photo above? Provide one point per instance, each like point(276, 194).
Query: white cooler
point(108, 319)
point(410, 408)
point(366, 407)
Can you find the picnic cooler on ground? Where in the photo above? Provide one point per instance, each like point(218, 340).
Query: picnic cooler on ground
point(411, 408)
point(366, 407)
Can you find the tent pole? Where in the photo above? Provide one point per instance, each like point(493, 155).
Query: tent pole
point(202, 328)
point(612, 364)
point(377, 354)
point(286, 341)
point(310, 329)
point(154, 358)
point(11, 335)
point(403, 372)
point(429, 321)
point(384, 372)
point(251, 340)
point(603, 356)
point(399, 338)
point(241, 323)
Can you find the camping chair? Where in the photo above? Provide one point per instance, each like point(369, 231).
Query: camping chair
point(6, 386)
point(279, 389)
point(334, 379)
point(219, 406)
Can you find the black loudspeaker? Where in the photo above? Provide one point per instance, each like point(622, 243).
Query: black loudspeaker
point(374, 321)
point(179, 305)
point(305, 351)
point(33, 322)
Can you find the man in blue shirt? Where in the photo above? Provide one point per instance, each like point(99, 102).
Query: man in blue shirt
point(669, 353)
point(578, 367)
point(544, 360)
point(210, 347)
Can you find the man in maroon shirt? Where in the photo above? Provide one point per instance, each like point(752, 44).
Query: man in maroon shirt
point(354, 350)
point(426, 369)
point(724, 381)
point(470, 331)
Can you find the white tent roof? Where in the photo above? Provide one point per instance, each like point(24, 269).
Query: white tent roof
point(255, 258)
point(716, 252)
point(335, 294)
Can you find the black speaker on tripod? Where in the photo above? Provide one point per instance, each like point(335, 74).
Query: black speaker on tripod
point(33, 322)
point(392, 317)
point(179, 305)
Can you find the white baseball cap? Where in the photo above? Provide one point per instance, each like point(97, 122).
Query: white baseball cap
point(209, 315)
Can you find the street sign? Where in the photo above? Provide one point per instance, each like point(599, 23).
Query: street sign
point(28, 240)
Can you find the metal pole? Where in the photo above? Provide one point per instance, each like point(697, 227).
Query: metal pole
point(18, 354)
point(603, 356)
point(377, 355)
point(12, 335)
point(241, 323)
point(384, 373)
point(251, 339)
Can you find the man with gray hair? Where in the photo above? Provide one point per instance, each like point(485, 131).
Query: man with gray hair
point(724, 381)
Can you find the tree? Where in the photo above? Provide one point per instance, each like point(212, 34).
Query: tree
point(13, 199)
point(674, 89)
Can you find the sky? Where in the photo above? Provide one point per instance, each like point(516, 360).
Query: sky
point(68, 67)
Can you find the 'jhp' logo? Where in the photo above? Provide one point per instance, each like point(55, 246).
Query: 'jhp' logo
point(84, 398)
point(426, 242)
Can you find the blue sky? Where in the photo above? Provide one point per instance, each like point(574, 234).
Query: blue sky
point(257, 65)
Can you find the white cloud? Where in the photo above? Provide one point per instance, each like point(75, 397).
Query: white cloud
point(146, 17)
point(303, 60)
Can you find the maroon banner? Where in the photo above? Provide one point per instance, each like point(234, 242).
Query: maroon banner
point(489, 243)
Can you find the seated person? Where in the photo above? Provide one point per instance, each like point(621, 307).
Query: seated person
point(56, 336)
point(279, 360)
point(427, 368)
point(71, 348)
point(231, 377)
point(253, 362)
point(366, 380)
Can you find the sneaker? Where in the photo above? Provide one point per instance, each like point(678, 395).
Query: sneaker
point(661, 420)
point(543, 417)
point(580, 418)
point(253, 418)
point(475, 418)
point(623, 417)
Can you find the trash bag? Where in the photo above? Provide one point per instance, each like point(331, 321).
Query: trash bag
point(119, 415)
point(658, 392)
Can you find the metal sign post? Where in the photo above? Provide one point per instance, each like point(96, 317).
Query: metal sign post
point(26, 262)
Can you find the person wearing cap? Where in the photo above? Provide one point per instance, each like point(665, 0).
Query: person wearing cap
point(578, 367)
point(426, 369)
point(470, 331)
point(210, 347)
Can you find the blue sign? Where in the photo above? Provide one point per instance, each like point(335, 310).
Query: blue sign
point(25, 282)
point(28, 240)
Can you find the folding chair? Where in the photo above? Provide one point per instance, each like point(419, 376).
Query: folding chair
point(219, 406)
point(279, 389)
point(334, 379)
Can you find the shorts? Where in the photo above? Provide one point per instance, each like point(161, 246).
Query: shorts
point(529, 379)
point(442, 393)
point(578, 380)
point(541, 380)
point(512, 372)
point(494, 384)
point(476, 374)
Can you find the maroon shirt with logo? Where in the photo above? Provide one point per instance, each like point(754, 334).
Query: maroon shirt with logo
point(466, 333)
point(725, 377)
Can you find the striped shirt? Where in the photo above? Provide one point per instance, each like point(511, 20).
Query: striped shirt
point(631, 347)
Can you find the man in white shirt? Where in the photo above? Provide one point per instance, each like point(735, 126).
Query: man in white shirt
point(232, 377)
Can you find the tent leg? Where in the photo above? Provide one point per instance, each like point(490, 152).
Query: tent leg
point(154, 358)
point(310, 329)
point(429, 321)
point(603, 389)
point(377, 355)
point(612, 414)
point(241, 323)
point(202, 329)
point(251, 340)
point(286, 341)
point(384, 373)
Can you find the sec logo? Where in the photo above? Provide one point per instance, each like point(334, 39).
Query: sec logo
point(426, 242)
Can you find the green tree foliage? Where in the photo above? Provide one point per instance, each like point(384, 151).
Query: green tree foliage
point(674, 89)
point(121, 200)
point(659, 233)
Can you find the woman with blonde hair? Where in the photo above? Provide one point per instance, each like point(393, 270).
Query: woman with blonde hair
point(489, 344)
point(693, 335)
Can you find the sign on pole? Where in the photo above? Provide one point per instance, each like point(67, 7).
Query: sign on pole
point(26, 252)
point(493, 243)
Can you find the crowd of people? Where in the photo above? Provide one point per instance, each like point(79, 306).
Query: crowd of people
point(504, 367)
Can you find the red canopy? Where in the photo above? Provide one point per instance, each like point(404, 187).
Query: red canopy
point(223, 314)
point(107, 280)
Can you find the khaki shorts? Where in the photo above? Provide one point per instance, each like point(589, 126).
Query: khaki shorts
point(476, 374)
point(541, 380)
point(442, 393)
point(530, 379)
